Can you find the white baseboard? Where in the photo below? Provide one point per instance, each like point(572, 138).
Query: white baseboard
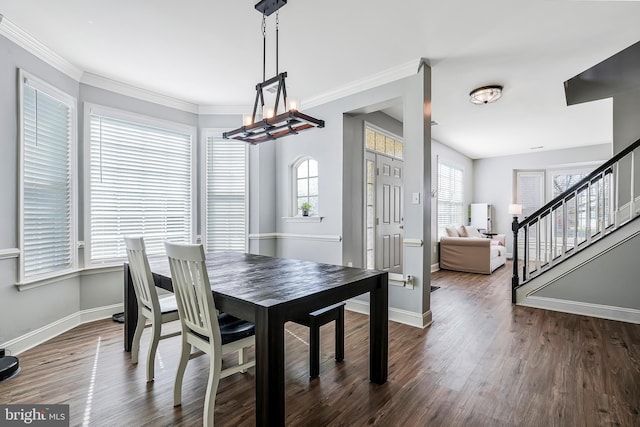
point(622, 314)
point(395, 314)
point(52, 330)
point(435, 267)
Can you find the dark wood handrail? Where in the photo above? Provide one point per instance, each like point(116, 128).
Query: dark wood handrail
point(534, 216)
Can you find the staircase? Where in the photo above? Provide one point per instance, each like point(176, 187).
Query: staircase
point(581, 224)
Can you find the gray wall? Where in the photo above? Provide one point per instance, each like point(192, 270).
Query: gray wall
point(494, 177)
point(263, 195)
point(592, 283)
point(338, 148)
point(626, 130)
point(29, 310)
point(22, 312)
point(353, 169)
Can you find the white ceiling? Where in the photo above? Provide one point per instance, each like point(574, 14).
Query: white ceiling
point(209, 52)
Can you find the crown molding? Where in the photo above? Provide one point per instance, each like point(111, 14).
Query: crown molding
point(29, 43)
point(386, 76)
point(137, 92)
point(33, 46)
point(225, 109)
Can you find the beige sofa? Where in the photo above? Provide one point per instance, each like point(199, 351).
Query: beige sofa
point(465, 249)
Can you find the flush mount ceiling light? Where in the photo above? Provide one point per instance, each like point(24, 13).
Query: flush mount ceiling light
point(485, 94)
point(267, 124)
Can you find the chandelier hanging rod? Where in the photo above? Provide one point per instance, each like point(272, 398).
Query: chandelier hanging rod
point(269, 127)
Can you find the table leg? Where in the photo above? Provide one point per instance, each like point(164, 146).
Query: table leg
point(269, 369)
point(130, 309)
point(379, 331)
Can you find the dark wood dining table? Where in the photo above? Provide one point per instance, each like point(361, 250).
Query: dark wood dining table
point(270, 292)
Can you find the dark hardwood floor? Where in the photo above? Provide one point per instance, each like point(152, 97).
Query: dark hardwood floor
point(483, 362)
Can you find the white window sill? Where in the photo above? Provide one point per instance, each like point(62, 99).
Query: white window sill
point(68, 274)
point(303, 219)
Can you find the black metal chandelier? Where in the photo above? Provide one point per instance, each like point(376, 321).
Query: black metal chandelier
point(277, 125)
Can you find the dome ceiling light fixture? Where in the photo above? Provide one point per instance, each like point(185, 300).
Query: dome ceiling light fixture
point(267, 124)
point(485, 94)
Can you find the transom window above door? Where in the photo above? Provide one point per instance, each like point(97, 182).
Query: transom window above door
point(383, 144)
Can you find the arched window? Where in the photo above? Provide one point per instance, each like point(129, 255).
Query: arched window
point(305, 173)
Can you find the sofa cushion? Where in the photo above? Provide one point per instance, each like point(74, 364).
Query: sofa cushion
point(451, 232)
point(471, 231)
point(461, 231)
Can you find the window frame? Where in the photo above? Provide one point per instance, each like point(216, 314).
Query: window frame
point(388, 135)
point(207, 133)
point(24, 77)
point(541, 176)
point(451, 165)
point(119, 114)
point(295, 208)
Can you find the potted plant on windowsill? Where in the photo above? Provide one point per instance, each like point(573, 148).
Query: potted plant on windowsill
point(305, 208)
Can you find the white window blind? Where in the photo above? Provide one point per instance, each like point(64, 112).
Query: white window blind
point(47, 199)
point(226, 187)
point(530, 191)
point(141, 184)
point(450, 197)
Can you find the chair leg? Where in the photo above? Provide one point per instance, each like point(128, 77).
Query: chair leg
point(153, 346)
point(340, 336)
point(215, 366)
point(135, 345)
point(242, 356)
point(182, 366)
point(314, 349)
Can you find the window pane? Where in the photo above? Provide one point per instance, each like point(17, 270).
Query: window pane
point(140, 184)
point(303, 187)
point(226, 195)
point(313, 167)
point(48, 233)
point(371, 139)
point(380, 142)
point(399, 150)
point(303, 169)
point(389, 146)
point(376, 141)
point(313, 201)
point(313, 186)
point(370, 216)
point(450, 197)
point(370, 172)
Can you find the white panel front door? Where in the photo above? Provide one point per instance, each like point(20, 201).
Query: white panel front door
point(389, 215)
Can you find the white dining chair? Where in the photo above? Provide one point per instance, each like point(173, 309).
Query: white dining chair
point(150, 306)
point(200, 326)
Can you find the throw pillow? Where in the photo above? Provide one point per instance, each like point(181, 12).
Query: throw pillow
point(462, 232)
point(471, 231)
point(451, 232)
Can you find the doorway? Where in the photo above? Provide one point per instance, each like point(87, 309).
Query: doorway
point(384, 172)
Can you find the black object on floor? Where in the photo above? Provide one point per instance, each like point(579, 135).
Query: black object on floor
point(118, 317)
point(433, 288)
point(9, 367)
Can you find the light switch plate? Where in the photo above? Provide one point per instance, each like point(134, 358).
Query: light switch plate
point(415, 198)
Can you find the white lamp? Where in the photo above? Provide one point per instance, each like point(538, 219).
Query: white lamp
point(515, 209)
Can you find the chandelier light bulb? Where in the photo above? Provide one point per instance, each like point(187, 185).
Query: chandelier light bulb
point(294, 104)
